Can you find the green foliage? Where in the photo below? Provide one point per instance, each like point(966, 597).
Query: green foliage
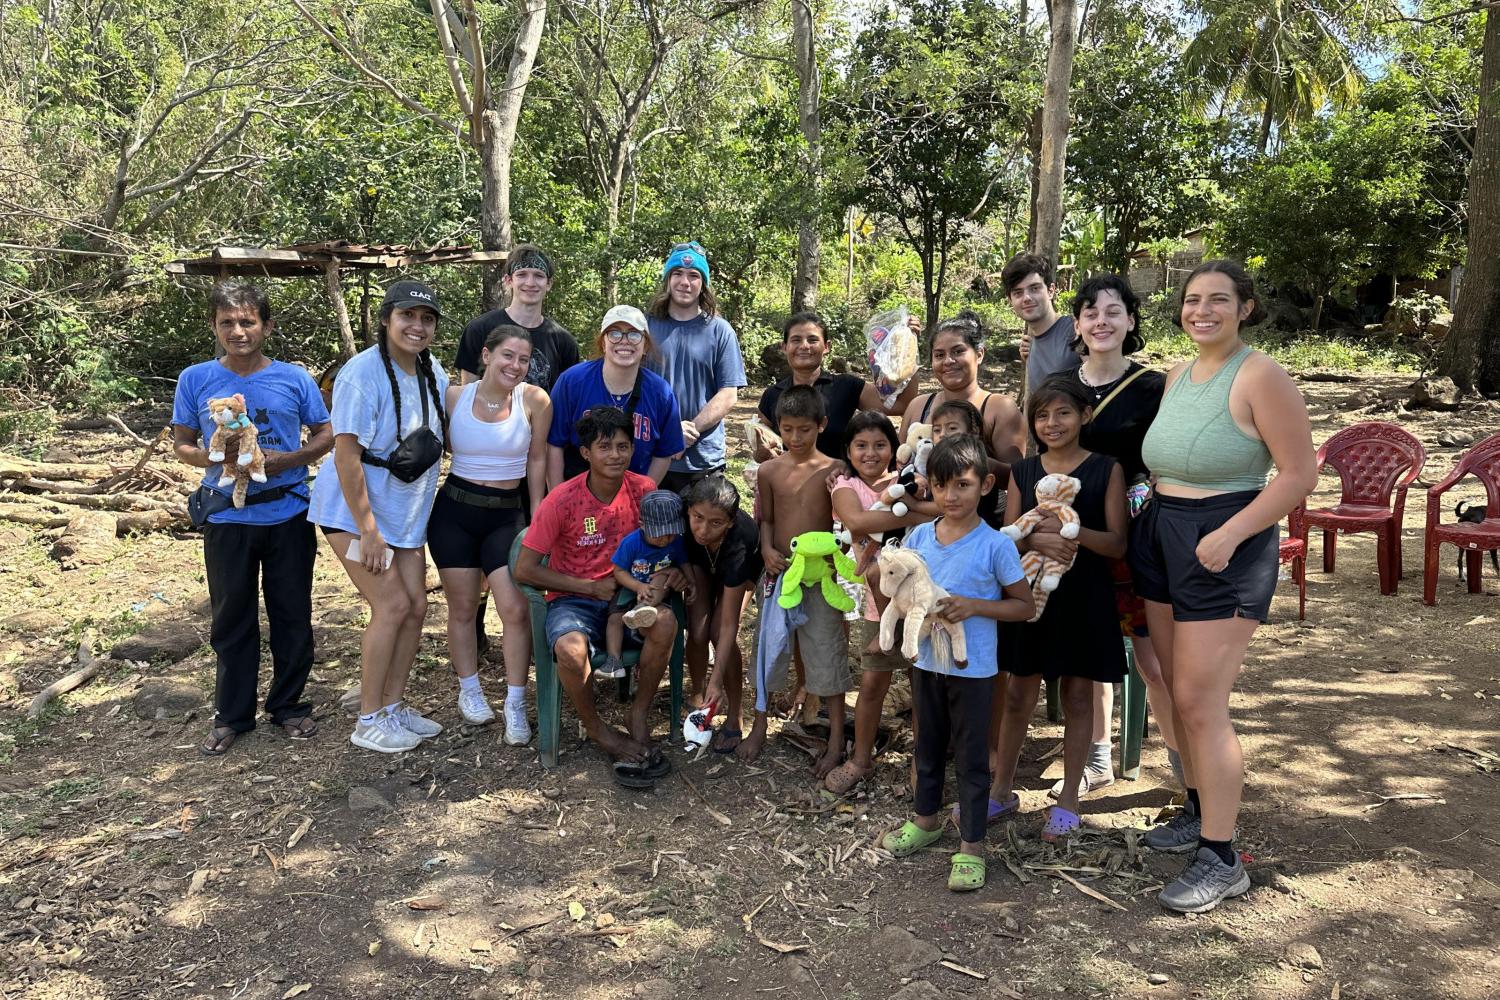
point(936, 104)
point(1137, 152)
point(1343, 200)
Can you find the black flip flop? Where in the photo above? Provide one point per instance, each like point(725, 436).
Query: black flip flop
point(731, 741)
point(657, 766)
point(634, 776)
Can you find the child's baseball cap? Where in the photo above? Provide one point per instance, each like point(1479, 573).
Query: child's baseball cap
point(661, 513)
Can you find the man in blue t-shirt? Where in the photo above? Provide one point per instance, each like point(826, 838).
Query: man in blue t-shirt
point(268, 541)
point(700, 359)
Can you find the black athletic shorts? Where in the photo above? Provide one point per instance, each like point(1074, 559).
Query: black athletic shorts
point(465, 535)
point(1164, 564)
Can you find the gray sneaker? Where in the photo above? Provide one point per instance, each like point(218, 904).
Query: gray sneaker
point(1206, 883)
point(1178, 835)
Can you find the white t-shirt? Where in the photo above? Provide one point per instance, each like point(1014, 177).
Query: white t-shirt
point(363, 406)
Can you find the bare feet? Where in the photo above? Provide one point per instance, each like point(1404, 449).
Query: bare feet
point(619, 745)
point(751, 746)
point(831, 759)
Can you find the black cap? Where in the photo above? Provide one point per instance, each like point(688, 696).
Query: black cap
point(409, 295)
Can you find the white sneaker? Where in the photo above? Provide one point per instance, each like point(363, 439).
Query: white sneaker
point(517, 729)
point(474, 707)
point(414, 722)
point(641, 616)
point(384, 735)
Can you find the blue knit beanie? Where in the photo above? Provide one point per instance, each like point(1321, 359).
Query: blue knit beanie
point(687, 255)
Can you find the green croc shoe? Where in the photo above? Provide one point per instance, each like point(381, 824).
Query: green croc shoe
point(910, 839)
point(967, 873)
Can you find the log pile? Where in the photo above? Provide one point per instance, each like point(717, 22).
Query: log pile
point(144, 496)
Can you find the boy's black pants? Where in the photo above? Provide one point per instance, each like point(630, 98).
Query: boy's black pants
point(956, 707)
point(280, 558)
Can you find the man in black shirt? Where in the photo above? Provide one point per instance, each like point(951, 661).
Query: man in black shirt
point(805, 342)
point(528, 276)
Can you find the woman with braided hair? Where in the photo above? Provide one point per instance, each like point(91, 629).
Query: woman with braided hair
point(374, 498)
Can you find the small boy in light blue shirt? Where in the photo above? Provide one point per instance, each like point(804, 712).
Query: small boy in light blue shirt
point(980, 570)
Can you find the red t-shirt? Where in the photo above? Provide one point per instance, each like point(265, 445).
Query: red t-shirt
point(578, 533)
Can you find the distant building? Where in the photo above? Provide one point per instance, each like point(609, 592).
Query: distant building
point(1148, 275)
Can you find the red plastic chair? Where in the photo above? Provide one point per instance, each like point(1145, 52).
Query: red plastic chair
point(1294, 551)
point(1370, 459)
point(1473, 540)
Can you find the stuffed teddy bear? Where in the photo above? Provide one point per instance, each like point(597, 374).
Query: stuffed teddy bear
point(811, 555)
point(913, 453)
point(893, 500)
point(234, 424)
point(914, 597)
point(1054, 495)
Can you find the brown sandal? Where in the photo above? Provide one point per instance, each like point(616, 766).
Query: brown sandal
point(304, 727)
point(218, 741)
point(845, 778)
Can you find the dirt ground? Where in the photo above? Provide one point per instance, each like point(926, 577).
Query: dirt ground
point(130, 866)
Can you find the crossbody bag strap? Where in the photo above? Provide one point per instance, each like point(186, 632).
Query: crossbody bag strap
point(1119, 389)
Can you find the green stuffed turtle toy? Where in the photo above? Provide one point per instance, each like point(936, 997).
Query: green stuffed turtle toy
point(810, 564)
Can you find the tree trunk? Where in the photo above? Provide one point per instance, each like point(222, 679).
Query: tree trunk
point(1317, 312)
point(500, 120)
point(1471, 352)
point(1054, 152)
point(1034, 147)
point(340, 308)
point(805, 281)
point(1263, 137)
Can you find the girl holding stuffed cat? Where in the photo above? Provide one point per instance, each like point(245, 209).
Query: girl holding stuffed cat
point(871, 453)
point(389, 425)
point(1076, 639)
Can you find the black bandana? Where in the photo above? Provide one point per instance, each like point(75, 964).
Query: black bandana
point(533, 259)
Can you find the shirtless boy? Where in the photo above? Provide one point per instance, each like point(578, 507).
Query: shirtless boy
point(794, 499)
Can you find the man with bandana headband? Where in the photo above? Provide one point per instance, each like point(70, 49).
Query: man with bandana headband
point(528, 277)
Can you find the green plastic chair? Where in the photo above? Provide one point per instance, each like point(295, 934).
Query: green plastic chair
point(549, 688)
point(1132, 715)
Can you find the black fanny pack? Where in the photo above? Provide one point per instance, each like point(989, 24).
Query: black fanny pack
point(415, 453)
point(203, 502)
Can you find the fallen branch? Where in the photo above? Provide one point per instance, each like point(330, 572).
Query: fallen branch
point(88, 668)
point(1091, 893)
point(720, 817)
point(126, 522)
point(1405, 797)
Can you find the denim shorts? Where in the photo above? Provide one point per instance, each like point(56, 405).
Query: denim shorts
point(575, 613)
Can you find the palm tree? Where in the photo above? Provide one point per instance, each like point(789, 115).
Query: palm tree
point(1286, 59)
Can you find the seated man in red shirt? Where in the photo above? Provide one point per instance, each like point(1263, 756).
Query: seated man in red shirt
point(578, 527)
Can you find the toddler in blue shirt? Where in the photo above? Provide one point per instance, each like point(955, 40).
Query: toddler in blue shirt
point(641, 563)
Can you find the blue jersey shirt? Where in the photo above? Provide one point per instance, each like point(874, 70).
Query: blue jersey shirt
point(980, 564)
point(657, 424)
point(698, 357)
point(280, 400)
point(642, 560)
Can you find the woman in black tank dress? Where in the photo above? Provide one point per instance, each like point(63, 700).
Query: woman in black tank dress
point(1077, 638)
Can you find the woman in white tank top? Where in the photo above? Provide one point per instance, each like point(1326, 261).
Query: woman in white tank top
point(497, 432)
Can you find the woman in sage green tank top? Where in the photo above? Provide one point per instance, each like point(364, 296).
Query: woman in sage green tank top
point(1204, 555)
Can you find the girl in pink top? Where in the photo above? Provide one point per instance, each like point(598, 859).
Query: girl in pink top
point(871, 454)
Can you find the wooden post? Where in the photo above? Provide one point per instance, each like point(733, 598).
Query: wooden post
point(340, 309)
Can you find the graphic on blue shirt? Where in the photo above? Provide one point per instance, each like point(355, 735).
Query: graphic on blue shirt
point(642, 560)
point(281, 399)
point(698, 358)
point(980, 564)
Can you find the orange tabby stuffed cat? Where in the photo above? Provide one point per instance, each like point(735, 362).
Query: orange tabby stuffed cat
point(234, 425)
